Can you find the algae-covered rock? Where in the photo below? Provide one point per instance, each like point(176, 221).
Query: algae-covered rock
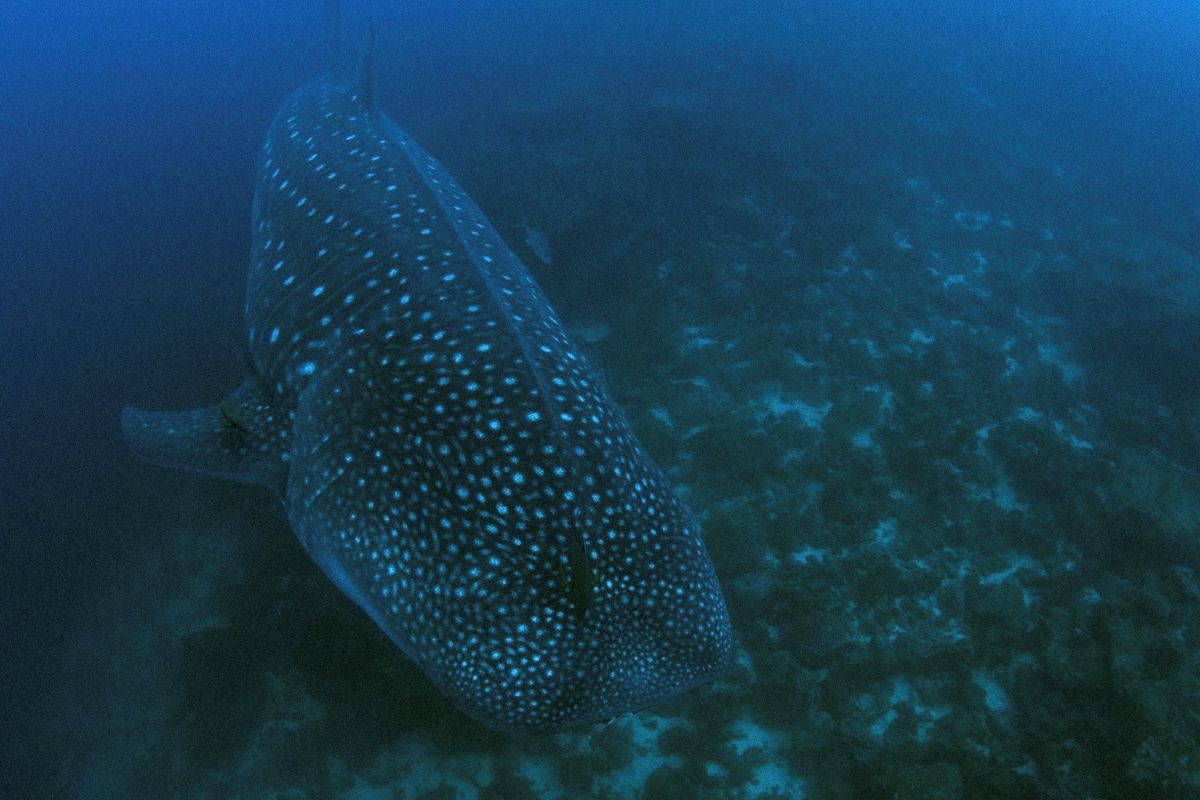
point(508, 784)
point(735, 453)
point(669, 783)
point(1161, 502)
point(997, 611)
point(1168, 764)
point(917, 781)
point(442, 792)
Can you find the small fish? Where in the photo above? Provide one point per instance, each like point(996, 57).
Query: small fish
point(233, 416)
point(538, 244)
point(578, 576)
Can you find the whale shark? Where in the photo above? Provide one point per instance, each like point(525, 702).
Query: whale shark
point(443, 450)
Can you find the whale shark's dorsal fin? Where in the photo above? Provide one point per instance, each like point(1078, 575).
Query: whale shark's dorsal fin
point(364, 86)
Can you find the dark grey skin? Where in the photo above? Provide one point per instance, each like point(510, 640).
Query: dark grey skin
point(443, 450)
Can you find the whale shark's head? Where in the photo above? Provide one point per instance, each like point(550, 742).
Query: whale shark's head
point(542, 573)
point(608, 614)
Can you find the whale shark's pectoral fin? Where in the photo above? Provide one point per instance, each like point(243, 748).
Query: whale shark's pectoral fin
point(242, 438)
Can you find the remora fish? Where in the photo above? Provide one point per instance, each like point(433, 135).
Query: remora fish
point(443, 451)
point(538, 244)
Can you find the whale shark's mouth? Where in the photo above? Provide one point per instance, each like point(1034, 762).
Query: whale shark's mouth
point(618, 693)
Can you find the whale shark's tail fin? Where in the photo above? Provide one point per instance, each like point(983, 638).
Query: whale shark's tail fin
point(334, 56)
point(365, 84)
point(335, 59)
point(242, 438)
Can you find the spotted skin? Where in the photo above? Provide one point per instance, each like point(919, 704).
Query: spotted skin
point(450, 458)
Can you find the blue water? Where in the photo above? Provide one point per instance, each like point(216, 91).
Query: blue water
point(905, 297)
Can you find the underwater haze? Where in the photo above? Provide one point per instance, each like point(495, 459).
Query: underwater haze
point(902, 297)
